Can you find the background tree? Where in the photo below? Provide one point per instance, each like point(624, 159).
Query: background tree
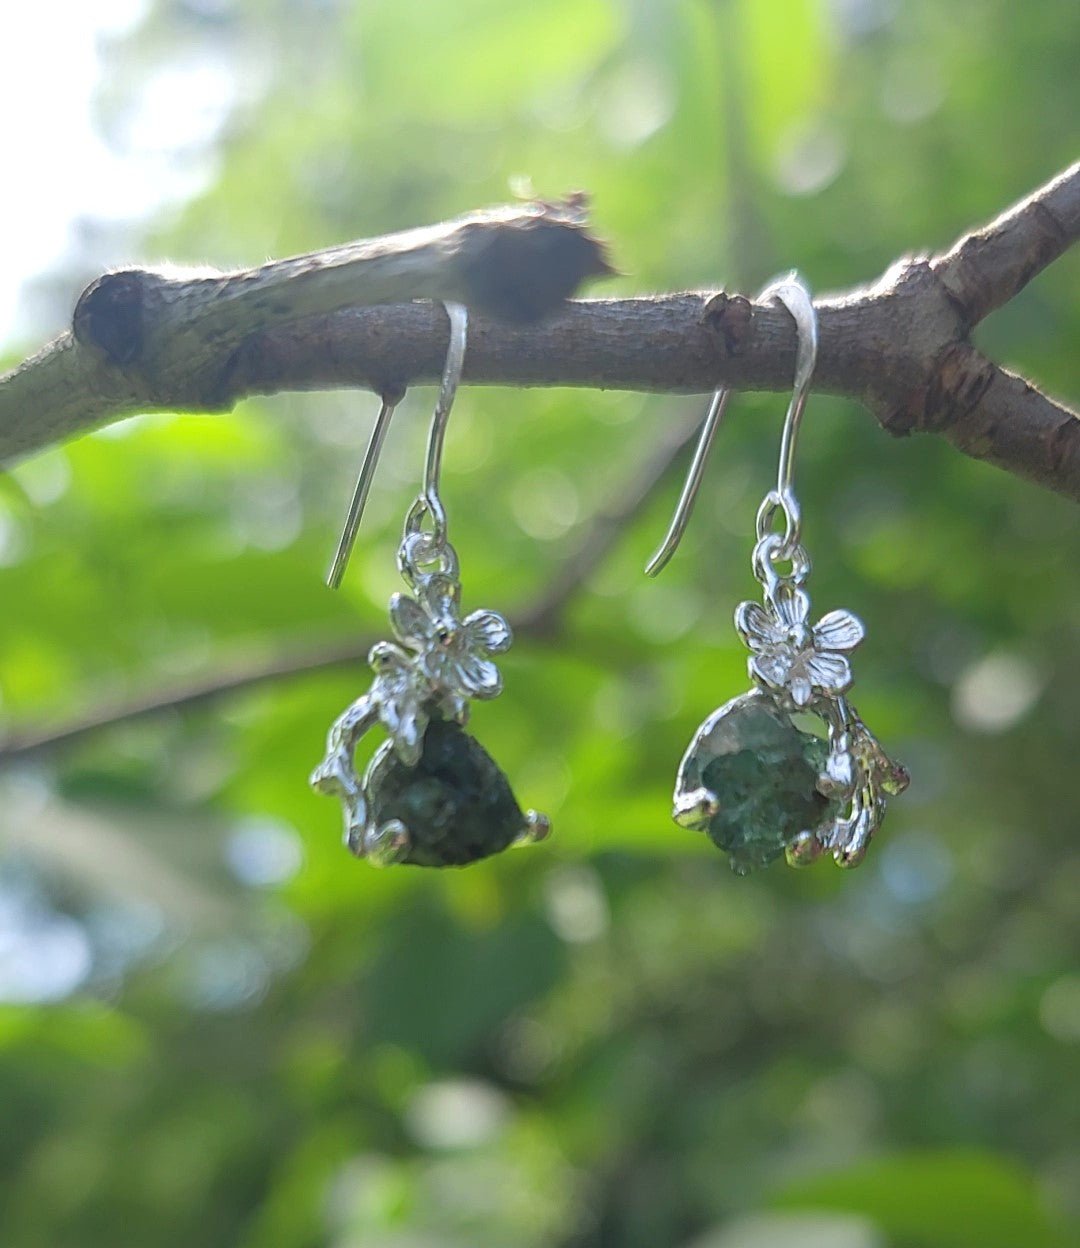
point(222, 1030)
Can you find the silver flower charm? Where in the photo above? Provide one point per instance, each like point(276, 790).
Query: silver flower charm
point(788, 654)
point(449, 663)
point(453, 653)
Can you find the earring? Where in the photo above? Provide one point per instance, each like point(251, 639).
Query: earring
point(758, 783)
point(431, 795)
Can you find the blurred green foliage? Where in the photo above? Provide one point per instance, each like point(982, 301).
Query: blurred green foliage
point(221, 1030)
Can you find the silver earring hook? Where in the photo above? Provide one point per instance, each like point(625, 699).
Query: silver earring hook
point(452, 370)
point(360, 494)
point(455, 359)
point(685, 506)
point(795, 296)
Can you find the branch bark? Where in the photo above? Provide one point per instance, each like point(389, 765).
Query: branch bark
point(159, 341)
point(987, 267)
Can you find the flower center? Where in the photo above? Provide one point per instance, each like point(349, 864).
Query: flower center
point(799, 636)
point(445, 633)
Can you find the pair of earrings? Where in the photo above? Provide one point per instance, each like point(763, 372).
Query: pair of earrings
point(755, 778)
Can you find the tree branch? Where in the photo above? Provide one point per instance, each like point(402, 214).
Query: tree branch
point(988, 267)
point(146, 341)
point(163, 340)
point(900, 346)
point(996, 416)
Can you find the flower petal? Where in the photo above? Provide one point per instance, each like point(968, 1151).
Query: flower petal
point(756, 626)
point(478, 677)
point(831, 673)
point(388, 660)
point(801, 689)
point(440, 667)
point(410, 621)
point(772, 666)
point(411, 728)
point(792, 607)
point(839, 630)
point(453, 706)
point(487, 631)
point(442, 596)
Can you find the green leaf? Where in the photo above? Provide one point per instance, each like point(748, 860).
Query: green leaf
point(948, 1199)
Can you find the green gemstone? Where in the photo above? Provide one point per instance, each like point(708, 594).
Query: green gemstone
point(456, 803)
point(763, 772)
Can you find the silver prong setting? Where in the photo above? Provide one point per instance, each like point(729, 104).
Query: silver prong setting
point(804, 850)
point(694, 810)
point(537, 828)
point(387, 844)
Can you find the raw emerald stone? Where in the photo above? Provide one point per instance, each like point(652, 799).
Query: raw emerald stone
point(763, 772)
point(456, 802)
